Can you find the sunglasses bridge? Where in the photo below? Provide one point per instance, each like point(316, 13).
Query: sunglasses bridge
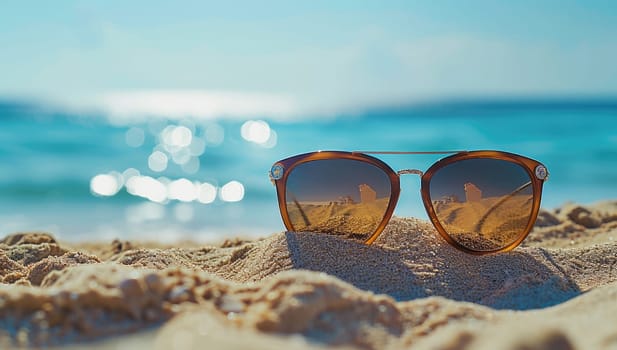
point(410, 172)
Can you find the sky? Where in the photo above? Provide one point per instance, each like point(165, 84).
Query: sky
point(291, 57)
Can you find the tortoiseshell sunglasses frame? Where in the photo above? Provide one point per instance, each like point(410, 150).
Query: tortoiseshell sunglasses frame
point(537, 173)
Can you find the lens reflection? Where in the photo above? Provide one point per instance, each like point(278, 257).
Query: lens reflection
point(483, 204)
point(338, 196)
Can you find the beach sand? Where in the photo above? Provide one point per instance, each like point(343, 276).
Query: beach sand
point(409, 290)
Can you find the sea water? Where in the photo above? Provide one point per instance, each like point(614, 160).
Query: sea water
point(92, 176)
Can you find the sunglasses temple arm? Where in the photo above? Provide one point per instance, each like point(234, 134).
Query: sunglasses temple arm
point(304, 217)
point(498, 204)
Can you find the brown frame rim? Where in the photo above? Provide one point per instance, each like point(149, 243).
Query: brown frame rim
point(528, 164)
point(290, 163)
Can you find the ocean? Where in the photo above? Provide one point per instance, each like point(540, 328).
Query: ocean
point(85, 176)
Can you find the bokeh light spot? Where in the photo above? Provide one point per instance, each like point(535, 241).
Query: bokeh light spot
point(197, 147)
point(181, 136)
point(135, 137)
point(105, 185)
point(271, 142)
point(129, 173)
point(206, 193)
point(257, 131)
point(147, 187)
point(182, 190)
point(214, 134)
point(157, 161)
point(192, 166)
point(232, 191)
point(181, 156)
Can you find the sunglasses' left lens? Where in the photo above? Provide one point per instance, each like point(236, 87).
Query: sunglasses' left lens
point(337, 196)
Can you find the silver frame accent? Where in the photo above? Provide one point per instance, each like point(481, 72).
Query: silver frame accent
point(541, 172)
point(277, 171)
point(397, 152)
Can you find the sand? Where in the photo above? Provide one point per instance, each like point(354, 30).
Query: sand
point(409, 290)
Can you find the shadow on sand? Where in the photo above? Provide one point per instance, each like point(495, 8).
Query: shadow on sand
point(408, 265)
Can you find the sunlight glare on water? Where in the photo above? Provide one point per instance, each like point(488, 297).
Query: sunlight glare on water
point(182, 190)
point(206, 193)
point(232, 191)
point(181, 136)
point(157, 161)
point(147, 187)
point(257, 131)
point(105, 185)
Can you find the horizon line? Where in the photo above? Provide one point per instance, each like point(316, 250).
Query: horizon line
point(542, 102)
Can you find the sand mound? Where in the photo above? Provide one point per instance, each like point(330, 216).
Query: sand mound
point(408, 288)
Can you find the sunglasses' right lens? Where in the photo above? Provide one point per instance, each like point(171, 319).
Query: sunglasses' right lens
point(338, 196)
point(483, 204)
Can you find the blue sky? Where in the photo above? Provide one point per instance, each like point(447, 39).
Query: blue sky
point(320, 55)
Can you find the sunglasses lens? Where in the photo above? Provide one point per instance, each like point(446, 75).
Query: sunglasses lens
point(338, 196)
point(482, 204)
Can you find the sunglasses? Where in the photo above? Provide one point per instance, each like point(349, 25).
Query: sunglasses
point(480, 202)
